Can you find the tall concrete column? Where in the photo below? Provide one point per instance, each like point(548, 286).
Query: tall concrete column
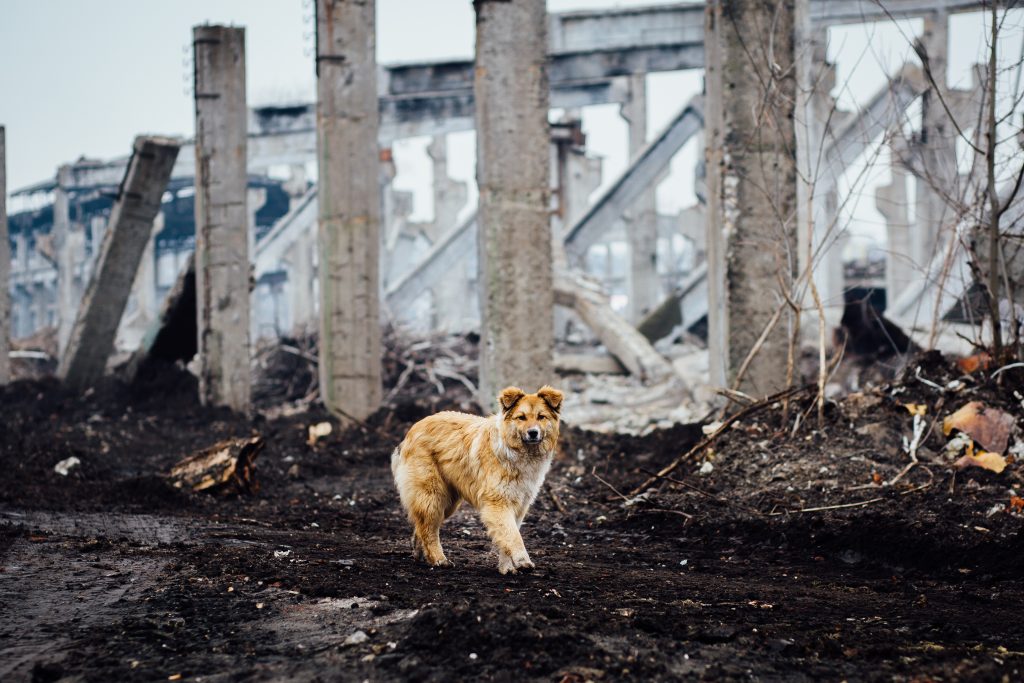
point(516, 293)
point(752, 185)
point(349, 194)
point(450, 196)
point(5, 268)
point(69, 248)
point(222, 234)
point(300, 283)
point(936, 150)
point(642, 218)
point(892, 202)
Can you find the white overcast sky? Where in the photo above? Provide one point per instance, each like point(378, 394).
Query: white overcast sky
point(83, 77)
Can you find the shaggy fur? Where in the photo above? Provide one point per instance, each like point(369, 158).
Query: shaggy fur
point(495, 463)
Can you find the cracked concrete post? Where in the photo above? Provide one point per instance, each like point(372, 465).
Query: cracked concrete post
point(642, 218)
point(516, 293)
point(349, 194)
point(5, 268)
point(222, 232)
point(84, 359)
point(892, 202)
point(752, 186)
point(68, 246)
point(937, 150)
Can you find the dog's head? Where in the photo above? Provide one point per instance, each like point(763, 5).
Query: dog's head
point(530, 421)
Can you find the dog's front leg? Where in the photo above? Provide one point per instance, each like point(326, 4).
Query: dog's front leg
point(503, 528)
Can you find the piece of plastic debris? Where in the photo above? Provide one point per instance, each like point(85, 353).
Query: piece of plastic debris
point(711, 428)
point(990, 427)
point(683, 563)
point(957, 445)
point(356, 638)
point(990, 461)
point(282, 553)
point(66, 465)
point(318, 431)
point(706, 468)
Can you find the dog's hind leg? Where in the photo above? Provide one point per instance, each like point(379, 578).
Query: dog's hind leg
point(428, 506)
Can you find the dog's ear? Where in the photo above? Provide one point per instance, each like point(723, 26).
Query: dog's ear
point(551, 396)
point(509, 397)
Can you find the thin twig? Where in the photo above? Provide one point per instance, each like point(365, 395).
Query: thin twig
point(614, 490)
point(555, 500)
point(842, 506)
point(710, 438)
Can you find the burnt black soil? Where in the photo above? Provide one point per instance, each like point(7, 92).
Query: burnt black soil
point(109, 573)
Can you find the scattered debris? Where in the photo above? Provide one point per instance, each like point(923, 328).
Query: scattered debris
point(356, 638)
point(66, 465)
point(228, 466)
point(990, 461)
point(988, 426)
point(318, 431)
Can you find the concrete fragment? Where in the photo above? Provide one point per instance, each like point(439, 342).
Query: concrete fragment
point(92, 338)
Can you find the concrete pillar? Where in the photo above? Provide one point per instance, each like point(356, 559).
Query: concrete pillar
point(222, 235)
point(936, 151)
point(349, 225)
point(819, 234)
point(892, 202)
point(69, 246)
point(450, 196)
point(642, 218)
point(516, 293)
point(300, 283)
point(5, 268)
point(752, 186)
point(84, 359)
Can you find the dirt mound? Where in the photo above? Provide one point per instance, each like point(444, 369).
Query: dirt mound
point(784, 549)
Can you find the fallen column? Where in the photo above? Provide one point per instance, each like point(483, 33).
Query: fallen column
point(349, 194)
point(621, 339)
point(222, 234)
point(84, 359)
point(515, 257)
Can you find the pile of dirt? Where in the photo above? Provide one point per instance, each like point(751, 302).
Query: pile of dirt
point(785, 548)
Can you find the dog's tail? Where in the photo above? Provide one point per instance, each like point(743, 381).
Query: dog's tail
point(396, 456)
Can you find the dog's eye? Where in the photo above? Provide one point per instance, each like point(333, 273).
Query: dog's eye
point(542, 417)
point(521, 417)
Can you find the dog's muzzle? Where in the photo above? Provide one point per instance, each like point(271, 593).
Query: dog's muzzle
point(532, 436)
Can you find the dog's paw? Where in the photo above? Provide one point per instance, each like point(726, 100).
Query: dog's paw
point(440, 562)
point(508, 564)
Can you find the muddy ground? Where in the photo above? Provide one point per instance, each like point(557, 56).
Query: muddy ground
point(109, 573)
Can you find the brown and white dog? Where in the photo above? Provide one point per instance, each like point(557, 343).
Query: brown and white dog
point(496, 463)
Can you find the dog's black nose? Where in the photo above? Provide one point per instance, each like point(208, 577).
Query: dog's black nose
point(533, 434)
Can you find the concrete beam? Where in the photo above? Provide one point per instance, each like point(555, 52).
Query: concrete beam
point(635, 180)
point(513, 157)
point(5, 268)
point(590, 52)
point(349, 207)
point(84, 359)
point(222, 235)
